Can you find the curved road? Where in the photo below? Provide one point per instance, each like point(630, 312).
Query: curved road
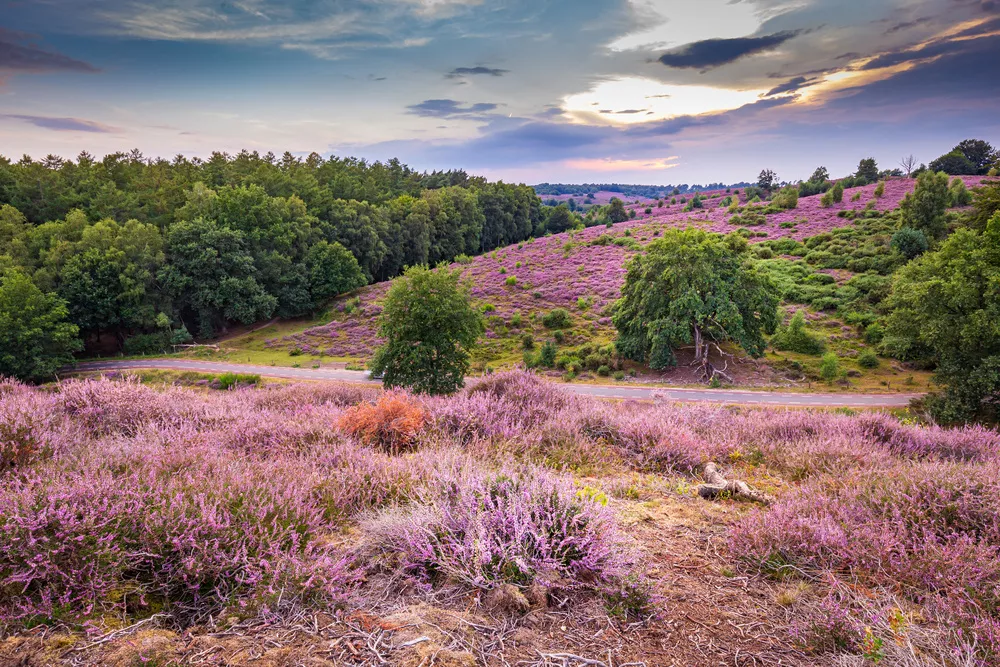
point(727, 396)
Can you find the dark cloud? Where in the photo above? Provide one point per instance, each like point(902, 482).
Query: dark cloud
point(451, 109)
point(715, 52)
point(623, 111)
point(791, 85)
point(459, 72)
point(952, 80)
point(64, 124)
point(18, 56)
point(906, 25)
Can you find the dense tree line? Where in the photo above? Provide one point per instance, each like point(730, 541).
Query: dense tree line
point(143, 251)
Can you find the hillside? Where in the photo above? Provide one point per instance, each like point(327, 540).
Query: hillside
point(509, 524)
point(582, 272)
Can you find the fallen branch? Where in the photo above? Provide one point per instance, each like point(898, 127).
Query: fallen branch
point(717, 484)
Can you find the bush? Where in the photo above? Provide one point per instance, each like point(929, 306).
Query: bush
point(826, 201)
point(235, 380)
point(505, 529)
point(794, 337)
point(909, 242)
point(837, 193)
point(880, 190)
point(557, 318)
point(958, 194)
point(829, 367)
point(392, 424)
point(511, 281)
point(868, 359)
point(547, 355)
point(787, 198)
point(527, 341)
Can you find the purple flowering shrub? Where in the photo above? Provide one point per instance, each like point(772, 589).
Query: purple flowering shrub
point(191, 531)
point(927, 531)
point(505, 528)
point(30, 429)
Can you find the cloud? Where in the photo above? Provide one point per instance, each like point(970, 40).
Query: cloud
point(711, 53)
point(451, 109)
point(64, 124)
point(459, 72)
point(18, 56)
point(791, 85)
point(906, 25)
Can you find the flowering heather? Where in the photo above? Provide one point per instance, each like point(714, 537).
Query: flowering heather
point(558, 271)
point(928, 531)
point(504, 528)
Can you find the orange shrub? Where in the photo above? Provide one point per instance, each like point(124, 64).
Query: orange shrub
point(392, 423)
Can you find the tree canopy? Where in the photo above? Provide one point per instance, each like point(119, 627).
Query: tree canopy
point(35, 337)
point(945, 306)
point(692, 288)
point(430, 327)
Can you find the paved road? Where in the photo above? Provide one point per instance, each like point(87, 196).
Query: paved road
point(728, 396)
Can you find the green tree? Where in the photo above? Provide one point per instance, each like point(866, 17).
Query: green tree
point(985, 202)
point(767, 180)
point(953, 163)
point(867, 170)
point(616, 211)
point(212, 276)
point(35, 337)
point(945, 306)
point(691, 288)
point(980, 154)
point(429, 327)
point(924, 208)
point(821, 175)
point(333, 270)
point(559, 220)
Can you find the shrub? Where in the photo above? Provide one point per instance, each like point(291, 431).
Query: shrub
point(527, 341)
point(557, 318)
point(958, 195)
point(868, 359)
point(505, 529)
point(826, 201)
point(235, 380)
point(393, 423)
point(153, 343)
point(837, 193)
point(788, 198)
point(547, 354)
point(829, 367)
point(880, 190)
point(909, 242)
point(511, 281)
point(794, 337)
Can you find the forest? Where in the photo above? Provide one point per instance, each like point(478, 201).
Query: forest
point(143, 253)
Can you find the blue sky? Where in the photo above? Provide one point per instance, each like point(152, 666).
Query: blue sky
point(644, 91)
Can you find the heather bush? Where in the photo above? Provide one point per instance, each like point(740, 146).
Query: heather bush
point(504, 528)
point(30, 429)
point(393, 423)
point(188, 531)
point(558, 318)
point(928, 531)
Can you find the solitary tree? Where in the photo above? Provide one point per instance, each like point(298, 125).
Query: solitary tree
point(429, 327)
point(691, 288)
point(35, 338)
point(767, 180)
point(616, 210)
point(908, 163)
point(868, 170)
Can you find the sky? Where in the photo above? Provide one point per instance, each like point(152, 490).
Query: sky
point(627, 91)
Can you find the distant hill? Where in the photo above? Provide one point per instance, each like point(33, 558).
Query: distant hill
point(648, 191)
